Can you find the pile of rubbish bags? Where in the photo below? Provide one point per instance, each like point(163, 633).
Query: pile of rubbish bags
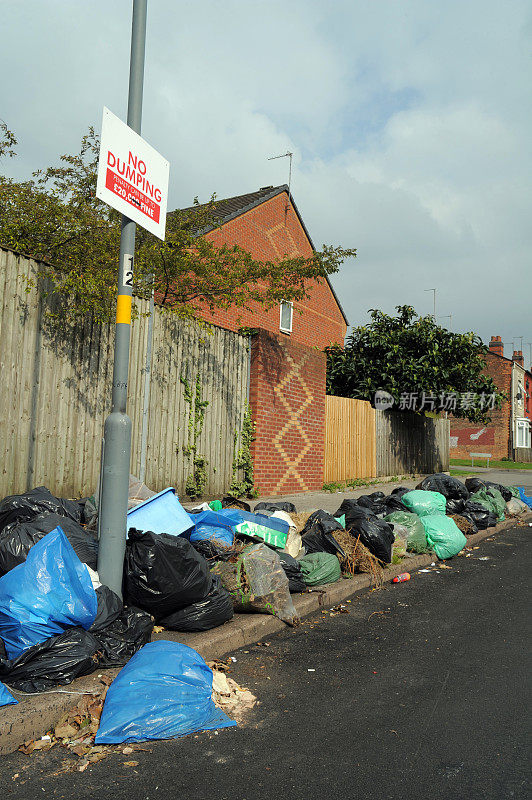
point(192, 570)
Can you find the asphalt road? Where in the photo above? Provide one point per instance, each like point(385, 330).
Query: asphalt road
point(419, 692)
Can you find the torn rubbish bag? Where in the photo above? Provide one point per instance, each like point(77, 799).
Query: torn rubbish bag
point(22, 507)
point(257, 581)
point(163, 573)
point(50, 591)
point(491, 499)
point(16, 540)
point(479, 515)
point(211, 612)
point(318, 534)
point(165, 691)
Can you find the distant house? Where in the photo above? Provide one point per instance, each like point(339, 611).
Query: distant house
point(268, 225)
point(508, 435)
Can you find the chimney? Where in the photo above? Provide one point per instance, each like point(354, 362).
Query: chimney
point(518, 357)
point(496, 345)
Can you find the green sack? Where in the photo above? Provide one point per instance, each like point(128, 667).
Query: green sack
point(443, 535)
point(514, 490)
point(492, 499)
point(320, 568)
point(215, 505)
point(423, 502)
point(416, 541)
point(341, 520)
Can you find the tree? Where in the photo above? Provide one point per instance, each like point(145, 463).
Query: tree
point(56, 218)
point(409, 357)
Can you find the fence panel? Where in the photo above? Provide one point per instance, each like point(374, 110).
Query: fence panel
point(56, 388)
point(410, 443)
point(349, 439)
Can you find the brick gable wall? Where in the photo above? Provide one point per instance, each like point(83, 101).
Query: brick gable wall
point(269, 232)
point(287, 399)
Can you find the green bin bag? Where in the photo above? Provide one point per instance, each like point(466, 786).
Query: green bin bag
point(417, 540)
point(443, 535)
point(491, 499)
point(423, 502)
point(514, 490)
point(320, 568)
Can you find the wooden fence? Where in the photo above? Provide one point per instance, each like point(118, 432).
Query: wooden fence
point(349, 439)
point(361, 442)
point(55, 393)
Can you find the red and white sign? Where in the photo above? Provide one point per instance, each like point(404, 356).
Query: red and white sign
point(132, 176)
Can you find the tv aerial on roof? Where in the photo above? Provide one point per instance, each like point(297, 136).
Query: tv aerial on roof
point(285, 155)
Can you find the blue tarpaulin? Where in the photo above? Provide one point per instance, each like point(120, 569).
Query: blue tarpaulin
point(6, 698)
point(49, 592)
point(165, 691)
point(523, 497)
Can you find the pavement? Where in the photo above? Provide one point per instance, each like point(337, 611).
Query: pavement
point(421, 692)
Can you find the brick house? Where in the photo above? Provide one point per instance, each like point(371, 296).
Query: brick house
point(287, 384)
point(508, 434)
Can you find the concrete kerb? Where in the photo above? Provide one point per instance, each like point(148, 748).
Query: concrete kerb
point(35, 714)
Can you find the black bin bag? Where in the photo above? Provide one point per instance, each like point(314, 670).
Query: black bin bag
point(22, 507)
point(474, 484)
point(288, 508)
point(451, 488)
point(163, 573)
point(293, 572)
point(479, 515)
point(211, 612)
point(374, 533)
point(54, 662)
point(318, 534)
point(17, 539)
point(120, 639)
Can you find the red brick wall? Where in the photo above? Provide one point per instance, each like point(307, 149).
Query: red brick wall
point(287, 399)
point(269, 232)
point(493, 438)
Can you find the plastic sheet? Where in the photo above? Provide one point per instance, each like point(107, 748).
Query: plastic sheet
point(165, 691)
point(423, 502)
point(164, 573)
point(443, 535)
point(524, 498)
point(6, 698)
point(17, 539)
point(257, 581)
point(49, 592)
point(54, 662)
point(211, 612)
point(22, 507)
point(215, 525)
point(320, 568)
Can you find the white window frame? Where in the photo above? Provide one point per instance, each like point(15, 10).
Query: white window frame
point(522, 432)
point(291, 306)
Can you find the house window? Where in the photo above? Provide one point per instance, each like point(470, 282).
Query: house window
point(522, 433)
point(286, 317)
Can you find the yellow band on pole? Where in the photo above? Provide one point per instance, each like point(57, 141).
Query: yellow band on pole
point(123, 309)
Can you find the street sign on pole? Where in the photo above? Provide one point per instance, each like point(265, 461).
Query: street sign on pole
point(132, 176)
point(112, 520)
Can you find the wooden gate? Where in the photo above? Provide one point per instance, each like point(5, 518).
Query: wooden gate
point(350, 450)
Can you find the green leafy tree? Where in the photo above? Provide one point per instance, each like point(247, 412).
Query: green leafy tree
point(410, 355)
point(56, 218)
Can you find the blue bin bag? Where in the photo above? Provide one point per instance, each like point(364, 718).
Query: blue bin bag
point(217, 525)
point(523, 497)
point(165, 691)
point(6, 698)
point(49, 592)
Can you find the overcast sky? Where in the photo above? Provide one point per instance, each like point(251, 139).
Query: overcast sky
point(410, 121)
